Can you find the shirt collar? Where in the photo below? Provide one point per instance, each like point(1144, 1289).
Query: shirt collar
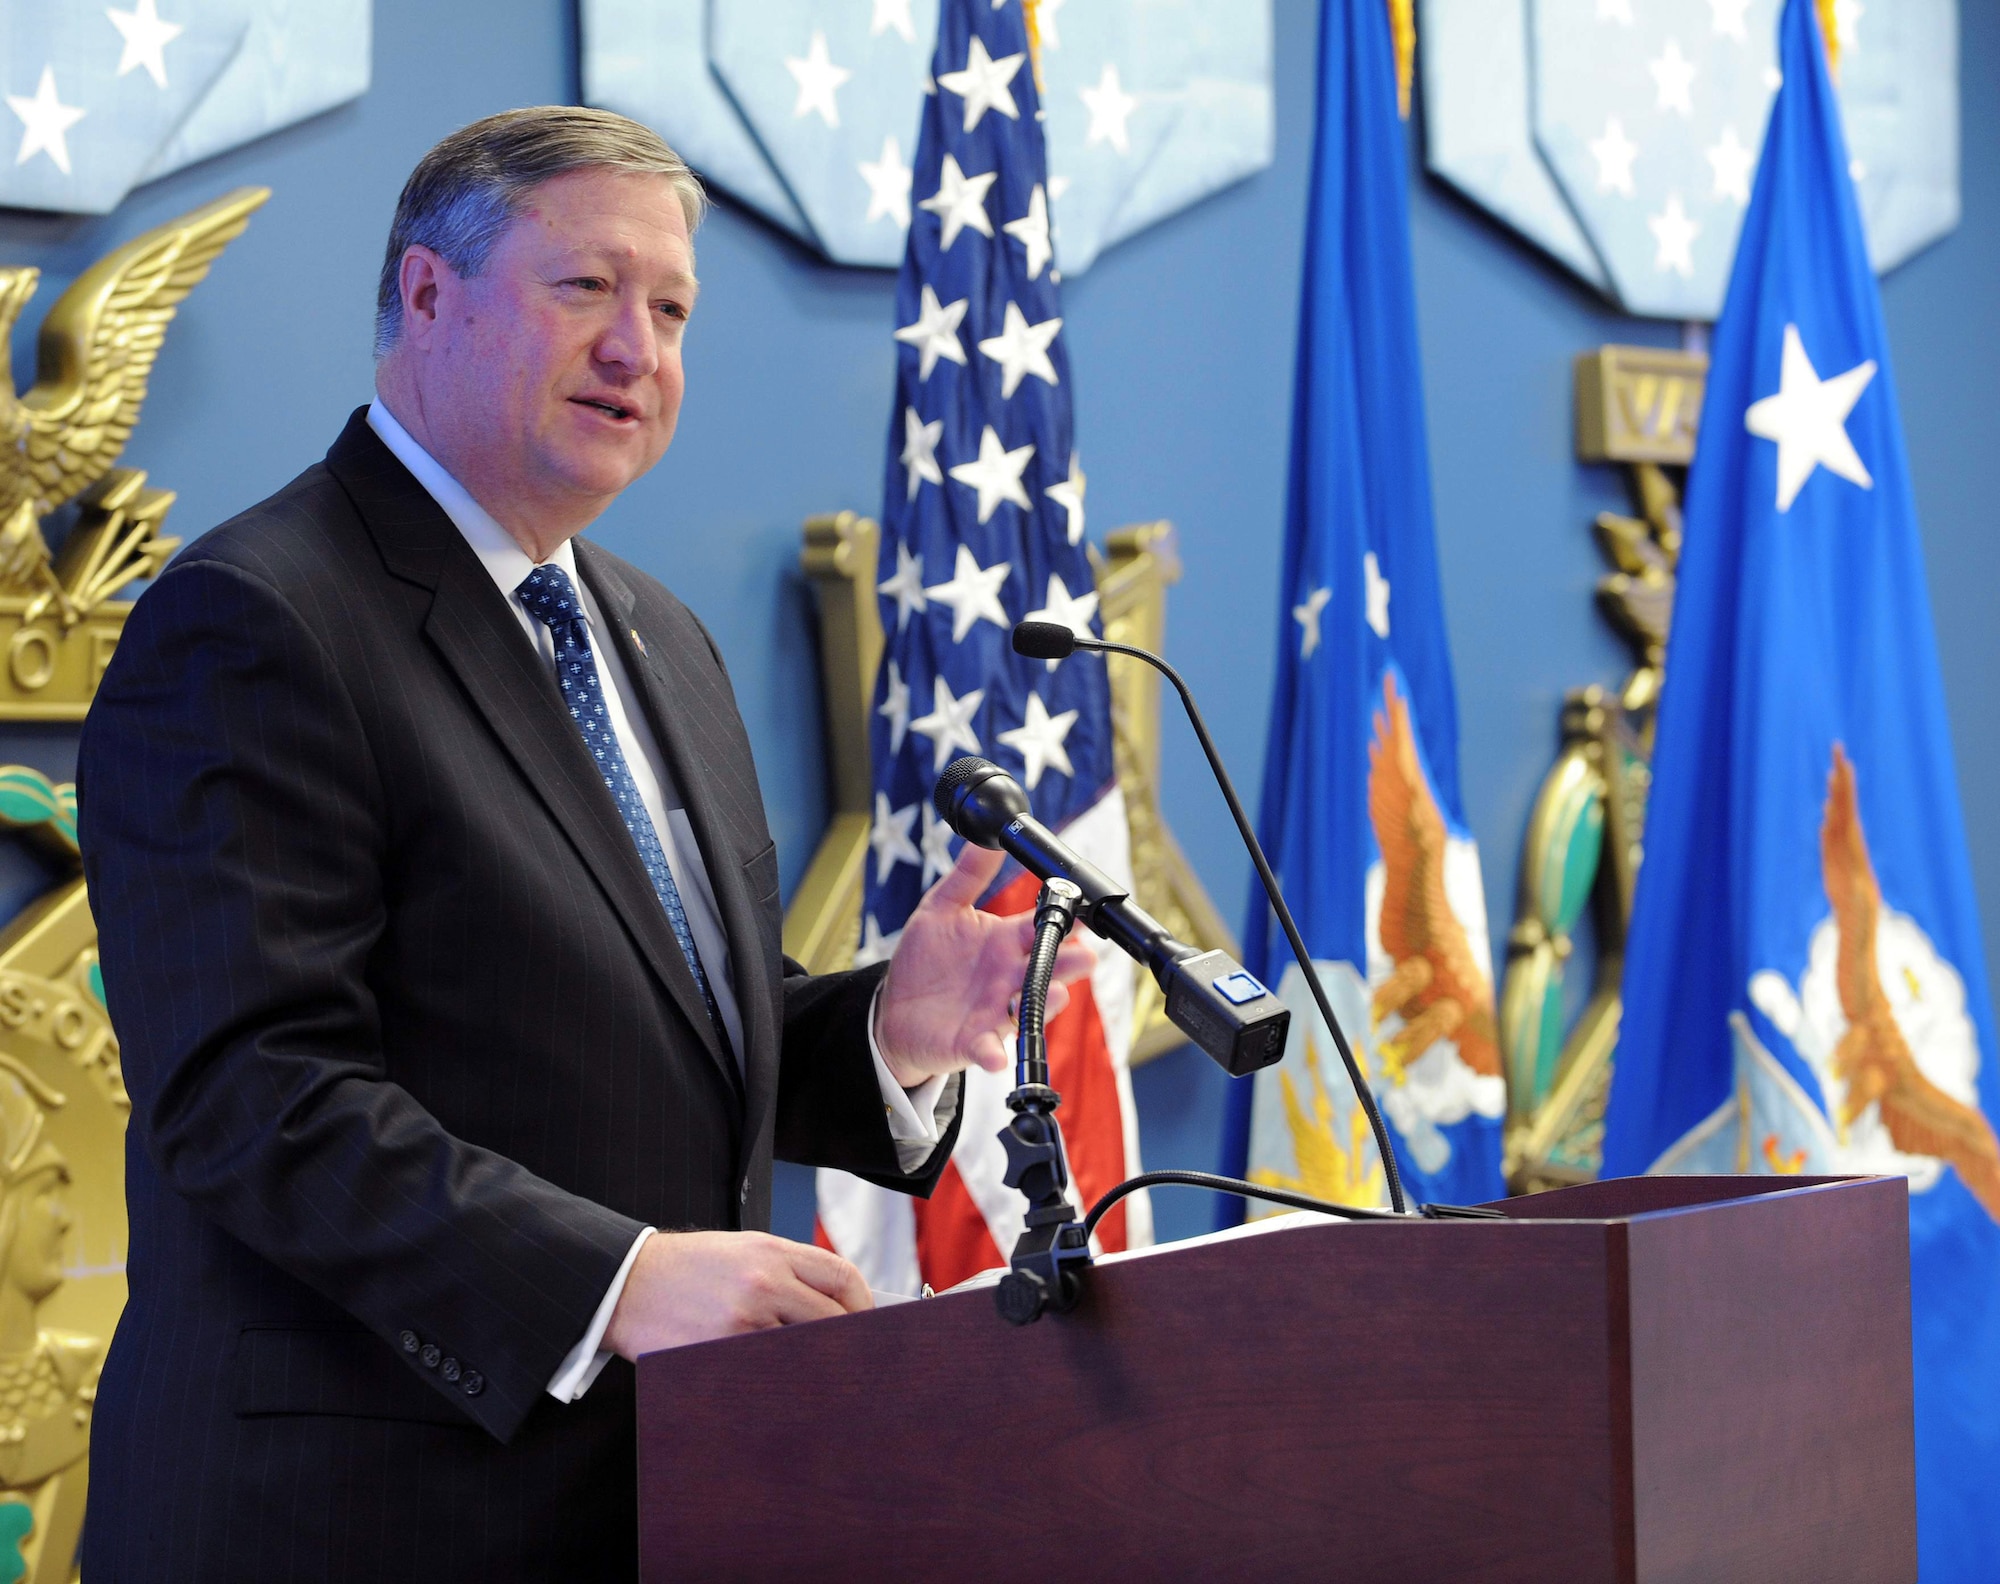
point(505, 561)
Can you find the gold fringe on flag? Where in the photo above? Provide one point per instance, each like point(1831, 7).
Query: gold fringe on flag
point(1028, 8)
point(1829, 30)
point(1403, 33)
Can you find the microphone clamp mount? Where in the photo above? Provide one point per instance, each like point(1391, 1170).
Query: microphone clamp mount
point(1053, 1251)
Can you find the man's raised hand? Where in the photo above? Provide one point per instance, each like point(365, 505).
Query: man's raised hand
point(948, 1000)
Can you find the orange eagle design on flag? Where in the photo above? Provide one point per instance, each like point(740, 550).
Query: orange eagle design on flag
point(1437, 985)
point(1873, 1057)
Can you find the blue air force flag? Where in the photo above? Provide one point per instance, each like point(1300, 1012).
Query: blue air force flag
point(982, 526)
point(1361, 812)
point(1804, 983)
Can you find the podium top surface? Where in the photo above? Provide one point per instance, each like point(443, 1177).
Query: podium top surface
point(1627, 1198)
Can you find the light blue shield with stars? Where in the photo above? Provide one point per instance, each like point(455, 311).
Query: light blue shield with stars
point(93, 93)
point(1565, 120)
point(1151, 105)
point(1223, 127)
point(1478, 124)
point(1650, 117)
point(831, 94)
point(296, 60)
point(100, 98)
point(648, 59)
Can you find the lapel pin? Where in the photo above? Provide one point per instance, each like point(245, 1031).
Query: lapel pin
point(641, 643)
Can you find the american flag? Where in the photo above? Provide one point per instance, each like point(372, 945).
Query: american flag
point(983, 527)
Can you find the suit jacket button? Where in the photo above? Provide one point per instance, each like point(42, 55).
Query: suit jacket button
point(409, 1341)
point(449, 1369)
point(473, 1384)
point(430, 1355)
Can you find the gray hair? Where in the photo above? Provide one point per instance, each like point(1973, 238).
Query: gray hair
point(471, 187)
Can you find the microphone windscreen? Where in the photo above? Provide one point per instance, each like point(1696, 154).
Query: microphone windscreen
point(1044, 640)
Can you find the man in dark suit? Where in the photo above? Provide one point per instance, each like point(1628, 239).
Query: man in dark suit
point(439, 922)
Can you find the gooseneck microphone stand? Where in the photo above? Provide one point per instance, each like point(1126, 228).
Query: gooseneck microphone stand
point(1046, 1271)
point(1046, 640)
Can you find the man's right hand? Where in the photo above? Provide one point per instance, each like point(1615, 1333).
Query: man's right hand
point(695, 1286)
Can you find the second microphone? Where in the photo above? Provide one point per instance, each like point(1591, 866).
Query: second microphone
point(1209, 996)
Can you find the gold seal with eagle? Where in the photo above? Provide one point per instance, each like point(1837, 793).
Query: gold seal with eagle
point(63, 1105)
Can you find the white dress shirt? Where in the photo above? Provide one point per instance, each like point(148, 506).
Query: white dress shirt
point(912, 1114)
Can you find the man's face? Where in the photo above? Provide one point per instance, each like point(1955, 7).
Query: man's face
point(554, 375)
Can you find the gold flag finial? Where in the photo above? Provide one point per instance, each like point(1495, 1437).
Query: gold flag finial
point(1403, 34)
point(1829, 30)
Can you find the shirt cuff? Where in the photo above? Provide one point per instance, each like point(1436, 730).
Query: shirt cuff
point(912, 1113)
point(580, 1368)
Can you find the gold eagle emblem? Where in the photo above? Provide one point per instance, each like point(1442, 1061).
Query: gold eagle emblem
point(1873, 1057)
point(1437, 985)
point(63, 438)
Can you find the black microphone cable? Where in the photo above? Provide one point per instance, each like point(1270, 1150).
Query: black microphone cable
point(1045, 640)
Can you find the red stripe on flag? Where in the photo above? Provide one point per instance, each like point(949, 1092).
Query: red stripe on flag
point(952, 1237)
point(952, 1240)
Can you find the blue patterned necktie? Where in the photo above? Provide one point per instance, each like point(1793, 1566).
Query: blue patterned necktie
point(548, 594)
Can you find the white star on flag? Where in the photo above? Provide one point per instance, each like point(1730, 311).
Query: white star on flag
point(1732, 164)
point(893, 14)
point(1021, 349)
point(146, 40)
point(936, 843)
point(1045, 22)
point(1032, 232)
point(1673, 75)
point(906, 588)
point(1729, 18)
point(895, 708)
point(920, 441)
point(973, 592)
point(888, 183)
point(996, 474)
point(1072, 611)
point(1039, 741)
point(46, 119)
point(890, 836)
point(1377, 594)
point(1615, 11)
point(960, 201)
point(1808, 420)
point(818, 79)
point(875, 946)
point(1614, 153)
point(949, 724)
point(1110, 108)
point(935, 334)
point(1068, 494)
point(983, 85)
point(1307, 616)
point(1674, 233)
point(1847, 16)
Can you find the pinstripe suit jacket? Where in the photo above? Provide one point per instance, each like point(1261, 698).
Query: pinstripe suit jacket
point(412, 1052)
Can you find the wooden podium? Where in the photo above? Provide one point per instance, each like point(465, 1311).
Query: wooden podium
point(1668, 1378)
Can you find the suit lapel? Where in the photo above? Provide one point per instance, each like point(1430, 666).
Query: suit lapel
point(481, 641)
point(668, 688)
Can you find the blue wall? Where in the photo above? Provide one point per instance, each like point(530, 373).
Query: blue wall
point(1182, 342)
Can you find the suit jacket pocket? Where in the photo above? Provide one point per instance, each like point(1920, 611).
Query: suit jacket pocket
point(761, 872)
point(348, 1373)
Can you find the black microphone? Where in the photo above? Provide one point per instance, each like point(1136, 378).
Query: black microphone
point(1047, 640)
point(1210, 997)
